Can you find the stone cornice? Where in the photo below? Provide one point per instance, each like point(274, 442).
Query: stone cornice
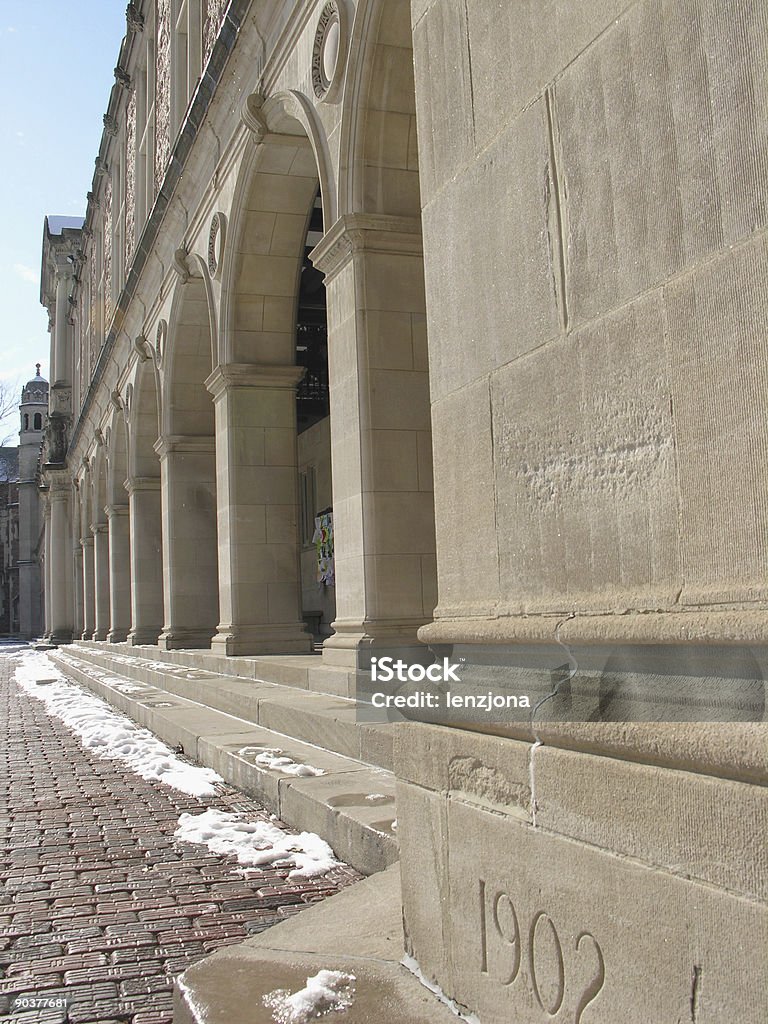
point(253, 375)
point(142, 483)
point(368, 232)
point(186, 444)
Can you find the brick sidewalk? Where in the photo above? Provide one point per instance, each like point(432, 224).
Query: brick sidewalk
point(101, 905)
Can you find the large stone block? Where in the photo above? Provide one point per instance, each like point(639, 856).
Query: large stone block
point(659, 129)
point(463, 469)
point(516, 922)
point(717, 320)
point(518, 48)
point(585, 470)
point(492, 295)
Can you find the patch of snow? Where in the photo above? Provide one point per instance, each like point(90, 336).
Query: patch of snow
point(109, 734)
point(325, 992)
point(412, 965)
point(378, 797)
point(257, 844)
point(277, 760)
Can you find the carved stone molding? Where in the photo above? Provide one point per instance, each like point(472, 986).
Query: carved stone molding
point(216, 239)
point(134, 19)
point(253, 375)
point(180, 264)
point(122, 77)
point(142, 348)
point(252, 117)
point(110, 124)
point(160, 339)
point(328, 51)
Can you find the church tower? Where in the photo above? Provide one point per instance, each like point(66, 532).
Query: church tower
point(34, 413)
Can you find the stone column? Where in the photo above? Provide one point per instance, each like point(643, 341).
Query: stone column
point(101, 580)
point(47, 569)
point(89, 595)
point(190, 574)
point(146, 553)
point(118, 517)
point(259, 580)
point(381, 437)
point(60, 559)
point(77, 570)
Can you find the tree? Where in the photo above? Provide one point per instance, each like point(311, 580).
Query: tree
point(9, 406)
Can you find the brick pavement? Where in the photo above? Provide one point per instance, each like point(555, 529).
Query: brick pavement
point(101, 905)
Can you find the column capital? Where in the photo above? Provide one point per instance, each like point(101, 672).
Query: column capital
point(186, 444)
point(98, 528)
point(142, 483)
point(113, 511)
point(86, 542)
point(369, 232)
point(253, 375)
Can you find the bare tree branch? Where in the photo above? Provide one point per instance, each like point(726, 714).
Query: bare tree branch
point(10, 393)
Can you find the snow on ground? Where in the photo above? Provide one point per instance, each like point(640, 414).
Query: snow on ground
point(275, 758)
point(325, 992)
point(257, 844)
point(107, 733)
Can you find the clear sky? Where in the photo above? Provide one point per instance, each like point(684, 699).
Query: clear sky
point(56, 62)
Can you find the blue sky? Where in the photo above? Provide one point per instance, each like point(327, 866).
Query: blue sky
point(56, 62)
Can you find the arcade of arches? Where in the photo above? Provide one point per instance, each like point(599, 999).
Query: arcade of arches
point(438, 327)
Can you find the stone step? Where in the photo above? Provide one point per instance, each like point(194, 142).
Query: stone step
point(358, 931)
point(351, 805)
point(324, 719)
point(305, 672)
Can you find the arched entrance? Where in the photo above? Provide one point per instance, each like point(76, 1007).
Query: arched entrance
point(118, 519)
point(187, 451)
point(143, 486)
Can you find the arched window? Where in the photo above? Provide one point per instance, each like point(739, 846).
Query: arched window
point(26, 421)
point(38, 421)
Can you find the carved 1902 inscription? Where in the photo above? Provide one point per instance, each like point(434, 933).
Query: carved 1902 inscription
point(508, 942)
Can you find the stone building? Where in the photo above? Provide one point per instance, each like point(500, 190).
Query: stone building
point(9, 541)
point(21, 520)
point(478, 289)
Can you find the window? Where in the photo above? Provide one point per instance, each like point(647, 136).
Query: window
point(38, 421)
point(26, 421)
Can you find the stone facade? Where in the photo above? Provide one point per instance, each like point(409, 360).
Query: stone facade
point(539, 336)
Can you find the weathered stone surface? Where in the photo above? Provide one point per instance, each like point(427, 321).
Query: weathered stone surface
point(536, 924)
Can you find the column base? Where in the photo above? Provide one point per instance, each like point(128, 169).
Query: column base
point(353, 644)
point(250, 640)
point(99, 634)
point(184, 639)
point(145, 637)
point(117, 636)
point(60, 636)
point(87, 634)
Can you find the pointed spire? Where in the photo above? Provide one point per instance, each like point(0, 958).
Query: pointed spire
point(37, 367)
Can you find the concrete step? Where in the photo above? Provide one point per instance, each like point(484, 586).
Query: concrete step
point(358, 931)
point(351, 804)
point(327, 720)
point(305, 672)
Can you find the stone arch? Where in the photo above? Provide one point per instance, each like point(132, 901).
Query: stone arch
point(187, 450)
point(379, 164)
point(372, 257)
point(144, 502)
point(255, 385)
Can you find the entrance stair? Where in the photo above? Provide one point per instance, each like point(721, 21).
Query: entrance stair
point(227, 713)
